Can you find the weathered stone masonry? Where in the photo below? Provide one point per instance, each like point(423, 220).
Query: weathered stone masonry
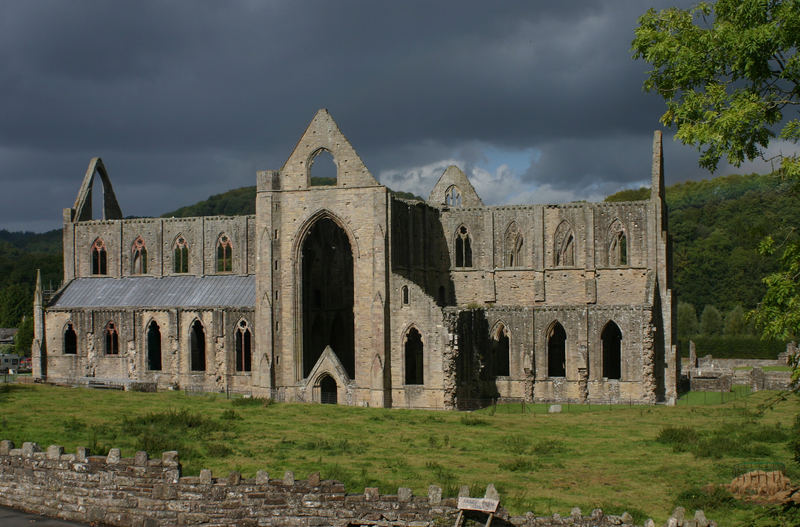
point(345, 293)
point(142, 492)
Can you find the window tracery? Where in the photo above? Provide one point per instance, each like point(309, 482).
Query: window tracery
point(180, 260)
point(224, 254)
point(452, 197)
point(99, 257)
point(513, 246)
point(564, 245)
point(111, 339)
point(243, 347)
point(138, 256)
point(463, 248)
point(617, 245)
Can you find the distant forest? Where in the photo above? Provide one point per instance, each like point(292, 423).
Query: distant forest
point(715, 225)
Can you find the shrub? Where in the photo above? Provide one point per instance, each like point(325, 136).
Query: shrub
point(519, 464)
point(549, 446)
point(712, 497)
point(676, 435)
point(471, 420)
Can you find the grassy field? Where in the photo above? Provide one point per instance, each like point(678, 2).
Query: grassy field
point(645, 460)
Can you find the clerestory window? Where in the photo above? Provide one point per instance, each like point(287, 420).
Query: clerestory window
point(224, 254)
point(138, 257)
point(463, 248)
point(99, 257)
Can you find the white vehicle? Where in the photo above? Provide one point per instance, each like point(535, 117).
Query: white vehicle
point(9, 362)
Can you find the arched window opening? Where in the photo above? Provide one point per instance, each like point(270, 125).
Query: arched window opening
point(564, 246)
point(153, 346)
point(452, 196)
point(111, 339)
point(99, 257)
point(224, 254)
point(618, 245)
point(327, 295)
point(328, 389)
point(70, 340)
point(180, 260)
point(405, 295)
point(323, 169)
point(513, 246)
point(197, 344)
point(138, 257)
point(612, 351)
point(501, 351)
point(557, 351)
point(413, 350)
point(243, 350)
point(463, 248)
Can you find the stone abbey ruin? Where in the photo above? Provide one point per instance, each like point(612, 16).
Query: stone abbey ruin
point(347, 293)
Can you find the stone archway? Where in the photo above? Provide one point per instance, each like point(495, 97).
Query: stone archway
point(327, 295)
point(328, 390)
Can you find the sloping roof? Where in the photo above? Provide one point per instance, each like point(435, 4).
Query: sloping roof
point(168, 291)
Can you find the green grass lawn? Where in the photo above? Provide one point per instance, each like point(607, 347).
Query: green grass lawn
point(645, 460)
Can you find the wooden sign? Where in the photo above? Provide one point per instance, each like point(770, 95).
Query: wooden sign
point(478, 504)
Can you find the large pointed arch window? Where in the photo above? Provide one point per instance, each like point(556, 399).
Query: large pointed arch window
point(111, 339)
point(512, 246)
point(138, 256)
point(224, 254)
point(463, 248)
point(99, 257)
point(197, 345)
point(180, 256)
point(70, 340)
point(497, 363)
point(617, 245)
point(243, 347)
point(557, 351)
point(413, 357)
point(153, 346)
point(612, 351)
point(564, 246)
point(452, 196)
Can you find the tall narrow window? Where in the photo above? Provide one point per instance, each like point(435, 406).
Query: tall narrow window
point(557, 351)
point(243, 350)
point(617, 245)
point(138, 257)
point(111, 339)
point(413, 350)
point(153, 347)
point(99, 257)
point(564, 246)
point(405, 295)
point(501, 351)
point(180, 259)
point(197, 344)
point(70, 340)
point(513, 246)
point(224, 252)
point(452, 196)
point(463, 248)
point(612, 347)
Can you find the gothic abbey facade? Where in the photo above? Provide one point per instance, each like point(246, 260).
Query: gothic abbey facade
point(346, 293)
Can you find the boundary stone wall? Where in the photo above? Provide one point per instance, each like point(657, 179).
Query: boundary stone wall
point(143, 492)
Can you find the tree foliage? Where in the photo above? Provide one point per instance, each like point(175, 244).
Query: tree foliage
point(729, 73)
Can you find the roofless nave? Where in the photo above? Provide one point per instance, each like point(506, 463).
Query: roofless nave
point(347, 293)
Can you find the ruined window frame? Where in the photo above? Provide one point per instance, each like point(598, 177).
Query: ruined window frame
point(553, 371)
point(70, 339)
point(197, 347)
point(151, 349)
point(243, 350)
point(564, 245)
point(180, 253)
point(512, 246)
point(111, 338)
point(415, 377)
point(617, 245)
point(138, 256)
point(224, 254)
point(462, 257)
point(404, 295)
point(611, 359)
point(452, 197)
point(99, 256)
point(502, 364)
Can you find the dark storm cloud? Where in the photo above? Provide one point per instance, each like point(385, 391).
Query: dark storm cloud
point(186, 99)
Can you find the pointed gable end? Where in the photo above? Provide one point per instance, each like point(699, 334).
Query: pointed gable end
point(454, 190)
point(323, 134)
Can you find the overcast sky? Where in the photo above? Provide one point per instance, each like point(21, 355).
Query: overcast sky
point(537, 101)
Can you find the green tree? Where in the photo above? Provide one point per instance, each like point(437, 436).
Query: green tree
point(729, 73)
point(736, 323)
point(24, 337)
point(711, 321)
point(687, 321)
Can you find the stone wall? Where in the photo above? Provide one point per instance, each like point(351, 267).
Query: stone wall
point(142, 492)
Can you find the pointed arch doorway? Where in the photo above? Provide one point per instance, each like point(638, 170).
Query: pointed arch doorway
point(327, 295)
